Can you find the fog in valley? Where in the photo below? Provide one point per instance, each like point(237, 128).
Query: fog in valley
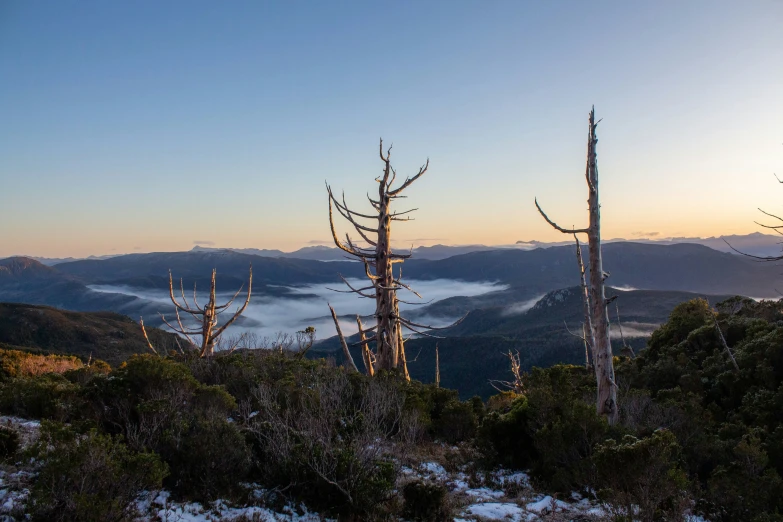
point(268, 316)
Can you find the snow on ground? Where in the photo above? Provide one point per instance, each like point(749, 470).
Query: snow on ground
point(501, 495)
point(497, 511)
point(157, 505)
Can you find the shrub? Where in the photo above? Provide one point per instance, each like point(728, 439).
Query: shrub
point(641, 479)
point(9, 443)
point(457, 422)
point(211, 460)
point(326, 434)
point(16, 363)
point(47, 396)
point(426, 501)
point(746, 487)
point(89, 477)
point(504, 438)
point(156, 404)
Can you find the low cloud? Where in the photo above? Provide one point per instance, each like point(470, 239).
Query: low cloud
point(202, 242)
point(136, 248)
point(521, 307)
point(307, 305)
point(645, 234)
point(632, 329)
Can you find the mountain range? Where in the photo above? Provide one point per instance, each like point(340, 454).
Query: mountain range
point(525, 273)
point(756, 244)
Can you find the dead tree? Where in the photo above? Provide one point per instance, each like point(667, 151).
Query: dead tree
point(346, 353)
point(367, 356)
point(379, 260)
point(437, 367)
point(207, 316)
point(606, 403)
point(518, 384)
point(627, 349)
point(587, 324)
point(725, 344)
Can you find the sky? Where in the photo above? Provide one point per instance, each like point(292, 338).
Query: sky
point(154, 126)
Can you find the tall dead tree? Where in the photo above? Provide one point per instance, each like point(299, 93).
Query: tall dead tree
point(207, 316)
point(587, 324)
point(379, 260)
point(606, 403)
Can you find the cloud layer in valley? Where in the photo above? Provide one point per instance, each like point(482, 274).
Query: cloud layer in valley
point(307, 305)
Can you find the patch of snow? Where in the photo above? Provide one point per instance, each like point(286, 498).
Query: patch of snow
point(497, 511)
point(157, 506)
point(484, 494)
point(504, 477)
point(433, 468)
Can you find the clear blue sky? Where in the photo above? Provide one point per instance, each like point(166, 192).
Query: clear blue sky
point(139, 126)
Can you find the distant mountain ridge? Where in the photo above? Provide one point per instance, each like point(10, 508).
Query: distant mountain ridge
point(679, 267)
point(756, 243)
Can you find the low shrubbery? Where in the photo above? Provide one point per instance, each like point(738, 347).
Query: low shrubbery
point(89, 476)
point(9, 443)
point(426, 501)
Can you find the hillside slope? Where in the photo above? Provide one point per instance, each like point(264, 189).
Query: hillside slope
point(103, 335)
point(24, 280)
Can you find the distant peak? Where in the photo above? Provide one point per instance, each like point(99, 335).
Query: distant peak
point(18, 265)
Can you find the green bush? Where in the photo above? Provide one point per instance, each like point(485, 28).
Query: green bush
point(640, 478)
point(211, 461)
point(47, 396)
point(457, 422)
point(426, 501)
point(9, 443)
point(504, 438)
point(746, 487)
point(156, 404)
point(324, 433)
point(89, 477)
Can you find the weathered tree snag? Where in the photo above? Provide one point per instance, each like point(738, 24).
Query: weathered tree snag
point(517, 385)
point(725, 344)
point(606, 403)
point(146, 337)
point(379, 260)
point(207, 316)
point(367, 356)
point(346, 353)
point(627, 349)
point(437, 367)
point(587, 325)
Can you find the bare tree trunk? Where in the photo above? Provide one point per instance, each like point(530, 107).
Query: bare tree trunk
point(627, 348)
point(606, 402)
point(587, 326)
point(725, 344)
point(367, 357)
point(346, 353)
point(437, 367)
point(604, 366)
